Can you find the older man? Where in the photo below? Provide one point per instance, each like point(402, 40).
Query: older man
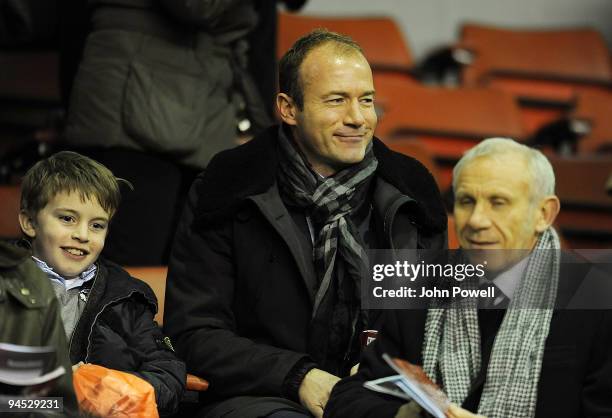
point(263, 294)
point(533, 359)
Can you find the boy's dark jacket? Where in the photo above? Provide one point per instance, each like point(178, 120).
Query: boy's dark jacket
point(116, 330)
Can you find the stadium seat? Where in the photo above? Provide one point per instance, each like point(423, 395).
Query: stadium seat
point(594, 108)
point(573, 55)
point(585, 219)
point(545, 69)
point(9, 211)
point(155, 276)
point(447, 121)
point(381, 39)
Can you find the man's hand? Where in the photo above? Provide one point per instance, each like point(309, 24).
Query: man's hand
point(455, 411)
point(315, 389)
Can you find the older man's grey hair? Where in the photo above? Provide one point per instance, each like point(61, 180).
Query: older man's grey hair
point(542, 174)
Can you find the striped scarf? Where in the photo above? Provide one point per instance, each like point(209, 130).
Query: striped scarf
point(338, 254)
point(451, 349)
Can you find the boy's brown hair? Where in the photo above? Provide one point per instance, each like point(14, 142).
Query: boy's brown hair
point(68, 171)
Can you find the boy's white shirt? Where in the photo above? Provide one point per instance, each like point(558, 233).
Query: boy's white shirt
point(85, 276)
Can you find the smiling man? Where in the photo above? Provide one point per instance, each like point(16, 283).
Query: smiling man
point(263, 292)
point(527, 355)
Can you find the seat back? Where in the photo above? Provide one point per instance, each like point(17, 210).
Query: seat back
point(594, 108)
point(586, 209)
point(578, 54)
point(155, 277)
point(9, 210)
point(545, 69)
point(380, 38)
point(463, 113)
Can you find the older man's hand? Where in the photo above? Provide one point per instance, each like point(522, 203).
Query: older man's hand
point(455, 411)
point(315, 390)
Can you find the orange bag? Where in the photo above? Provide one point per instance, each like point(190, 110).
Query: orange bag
point(103, 392)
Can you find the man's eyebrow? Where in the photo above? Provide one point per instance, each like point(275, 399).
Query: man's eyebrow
point(345, 94)
point(500, 195)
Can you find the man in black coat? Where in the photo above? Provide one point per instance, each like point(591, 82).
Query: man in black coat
point(263, 295)
point(549, 354)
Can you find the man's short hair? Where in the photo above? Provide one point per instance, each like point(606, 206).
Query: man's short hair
point(68, 171)
point(541, 171)
point(289, 65)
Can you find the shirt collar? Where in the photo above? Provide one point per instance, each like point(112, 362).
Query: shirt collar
point(509, 280)
point(82, 278)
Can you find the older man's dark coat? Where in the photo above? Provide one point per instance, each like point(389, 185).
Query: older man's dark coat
point(576, 375)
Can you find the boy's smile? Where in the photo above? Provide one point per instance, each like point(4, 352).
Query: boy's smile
point(68, 233)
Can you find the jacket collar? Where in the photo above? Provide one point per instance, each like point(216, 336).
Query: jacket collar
point(11, 255)
point(120, 284)
point(250, 169)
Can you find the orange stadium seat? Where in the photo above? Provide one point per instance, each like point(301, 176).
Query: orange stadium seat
point(594, 108)
point(154, 276)
point(382, 41)
point(446, 121)
point(545, 69)
point(585, 219)
point(9, 210)
point(570, 55)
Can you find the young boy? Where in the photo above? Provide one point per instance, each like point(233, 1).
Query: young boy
point(67, 203)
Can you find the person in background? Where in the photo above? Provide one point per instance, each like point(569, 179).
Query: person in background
point(160, 89)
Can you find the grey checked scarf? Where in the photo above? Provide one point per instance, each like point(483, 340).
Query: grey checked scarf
point(338, 253)
point(452, 341)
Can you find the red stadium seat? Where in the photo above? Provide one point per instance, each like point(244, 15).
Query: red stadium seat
point(585, 219)
point(154, 276)
point(545, 69)
point(447, 121)
point(594, 108)
point(381, 39)
point(9, 211)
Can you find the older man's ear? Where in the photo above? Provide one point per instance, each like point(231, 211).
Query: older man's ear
point(548, 211)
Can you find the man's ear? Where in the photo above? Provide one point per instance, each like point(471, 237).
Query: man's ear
point(287, 109)
point(27, 224)
point(548, 211)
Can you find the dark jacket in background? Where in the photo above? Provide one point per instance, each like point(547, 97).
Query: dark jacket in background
point(116, 330)
point(159, 76)
point(241, 281)
point(154, 98)
point(30, 315)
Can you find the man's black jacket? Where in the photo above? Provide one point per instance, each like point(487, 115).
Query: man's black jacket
point(241, 282)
